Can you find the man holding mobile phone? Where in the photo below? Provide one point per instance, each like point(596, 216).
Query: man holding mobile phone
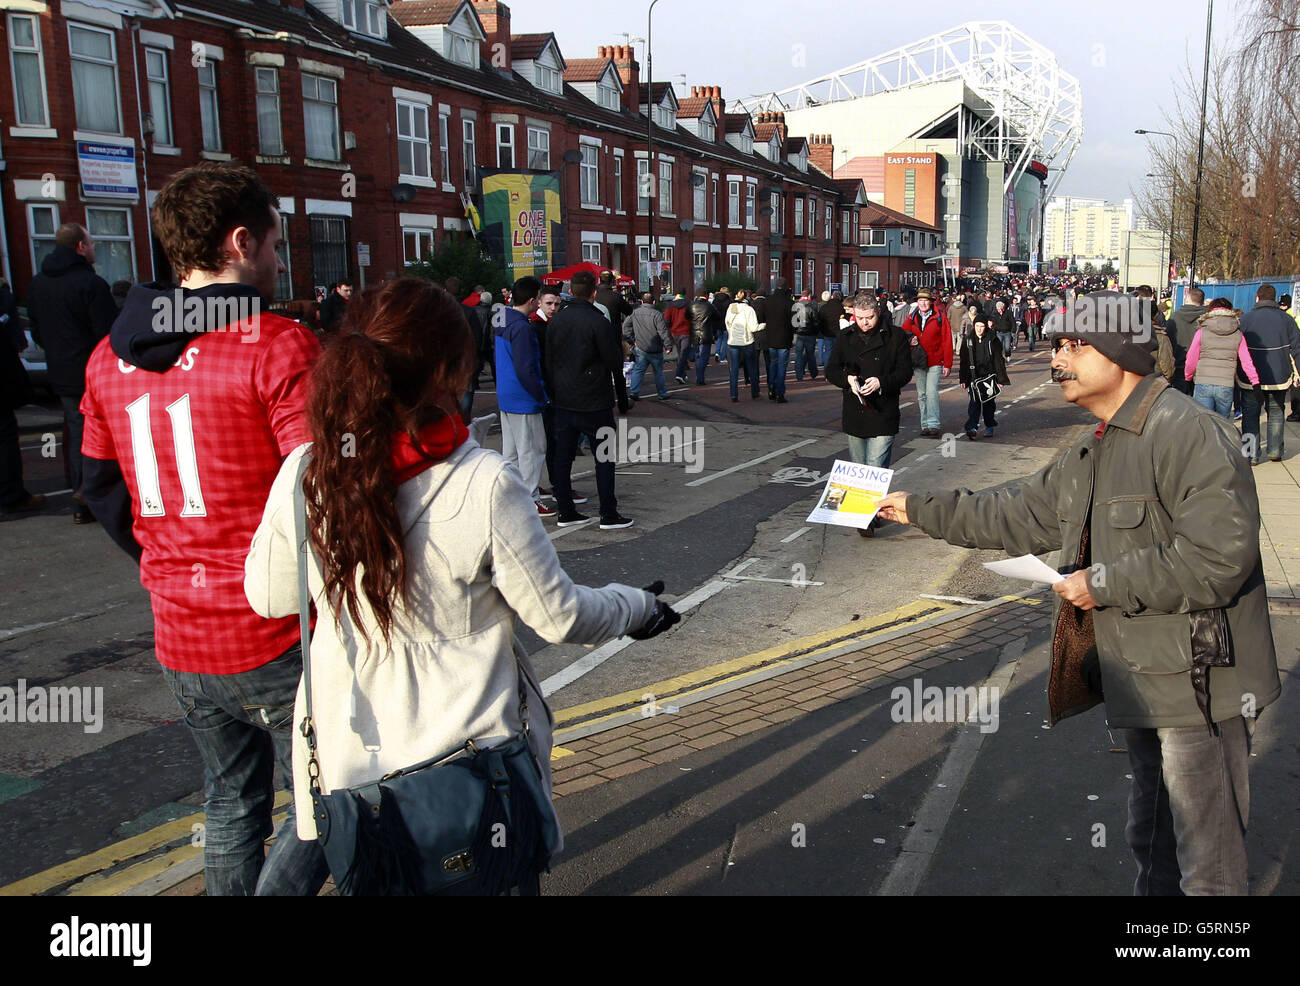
point(871, 363)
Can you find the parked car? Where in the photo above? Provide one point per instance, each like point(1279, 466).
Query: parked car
point(33, 358)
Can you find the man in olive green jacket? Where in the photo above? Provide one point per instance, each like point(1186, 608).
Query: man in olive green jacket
point(1164, 608)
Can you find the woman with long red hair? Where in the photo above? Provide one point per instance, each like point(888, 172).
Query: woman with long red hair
point(426, 549)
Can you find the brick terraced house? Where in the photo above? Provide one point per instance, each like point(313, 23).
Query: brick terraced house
point(369, 120)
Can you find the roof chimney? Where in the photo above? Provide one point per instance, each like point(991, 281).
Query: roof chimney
point(496, 25)
point(714, 95)
point(821, 152)
point(628, 73)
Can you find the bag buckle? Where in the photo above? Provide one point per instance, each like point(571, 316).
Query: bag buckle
point(461, 862)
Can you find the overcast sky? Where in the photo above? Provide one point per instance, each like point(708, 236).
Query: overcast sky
point(1125, 53)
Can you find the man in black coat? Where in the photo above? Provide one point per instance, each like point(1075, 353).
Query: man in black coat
point(582, 353)
point(71, 308)
point(619, 309)
point(705, 325)
point(828, 325)
point(334, 305)
point(780, 337)
point(721, 302)
point(15, 391)
point(872, 365)
point(1183, 324)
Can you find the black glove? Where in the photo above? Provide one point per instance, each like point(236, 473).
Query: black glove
point(663, 617)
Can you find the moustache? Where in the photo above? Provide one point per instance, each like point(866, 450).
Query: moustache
point(1060, 376)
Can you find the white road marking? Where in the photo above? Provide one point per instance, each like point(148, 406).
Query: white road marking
point(908, 404)
point(759, 578)
point(589, 662)
point(796, 535)
point(922, 842)
point(559, 532)
point(752, 462)
point(32, 628)
point(951, 599)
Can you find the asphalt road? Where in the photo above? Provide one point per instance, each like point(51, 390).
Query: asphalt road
point(73, 612)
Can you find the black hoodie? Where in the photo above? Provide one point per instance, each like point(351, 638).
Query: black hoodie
point(70, 309)
point(140, 335)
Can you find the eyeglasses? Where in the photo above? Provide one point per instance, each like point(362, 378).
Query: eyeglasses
point(1071, 347)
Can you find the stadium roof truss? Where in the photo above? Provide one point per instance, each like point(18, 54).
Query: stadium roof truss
point(1031, 108)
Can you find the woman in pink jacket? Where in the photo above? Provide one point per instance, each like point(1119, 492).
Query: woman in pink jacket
point(1213, 355)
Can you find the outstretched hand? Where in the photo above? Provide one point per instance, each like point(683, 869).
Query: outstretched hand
point(894, 507)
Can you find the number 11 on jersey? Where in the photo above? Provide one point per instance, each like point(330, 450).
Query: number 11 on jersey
point(146, 460)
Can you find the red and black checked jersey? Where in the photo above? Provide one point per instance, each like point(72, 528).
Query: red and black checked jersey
point(199, 447)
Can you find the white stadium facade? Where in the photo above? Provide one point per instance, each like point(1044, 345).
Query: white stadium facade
point(968, 130)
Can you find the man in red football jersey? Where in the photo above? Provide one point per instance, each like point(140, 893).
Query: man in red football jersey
point(191, 405)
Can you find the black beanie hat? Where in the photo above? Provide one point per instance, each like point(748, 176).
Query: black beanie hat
point(1119, 326)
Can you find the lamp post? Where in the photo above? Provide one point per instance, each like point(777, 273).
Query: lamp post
point(1200, 150)
point(1173, 211)
point(652, 184)
point(1173, 198)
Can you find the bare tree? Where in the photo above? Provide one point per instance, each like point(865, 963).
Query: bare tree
point(1250, 190)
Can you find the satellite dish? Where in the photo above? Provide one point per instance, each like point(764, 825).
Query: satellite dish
point(572, 157)
point(686, 225)
point(403, 192)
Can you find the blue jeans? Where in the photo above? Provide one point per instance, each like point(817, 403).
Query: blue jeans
point(242, 724)
point(777, 361)
point(655, 360)
point(722, 343)
point(876, 451)
point(1008, 339)
point(805, 355)
point(927, 395)
point(1252, 400)
point(824, 350)
point(1188, 808)
point(750, 356)
point(702, 353)
point(1217, 399)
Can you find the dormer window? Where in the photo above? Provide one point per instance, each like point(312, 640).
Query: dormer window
point(547, 78)
point(607, 96)
point(747, 142)
point(774, 149)
point(461, 49)
point(364, 17)
point(665, 117)
point(708, 131)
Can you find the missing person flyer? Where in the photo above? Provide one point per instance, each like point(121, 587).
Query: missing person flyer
point(852, 495)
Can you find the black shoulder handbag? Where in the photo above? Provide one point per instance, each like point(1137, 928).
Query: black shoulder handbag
point(469, 821)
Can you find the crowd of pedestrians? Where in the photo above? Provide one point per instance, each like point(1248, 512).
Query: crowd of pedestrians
point(348, 479)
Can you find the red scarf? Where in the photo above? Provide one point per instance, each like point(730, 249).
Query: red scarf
point(437, 440)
